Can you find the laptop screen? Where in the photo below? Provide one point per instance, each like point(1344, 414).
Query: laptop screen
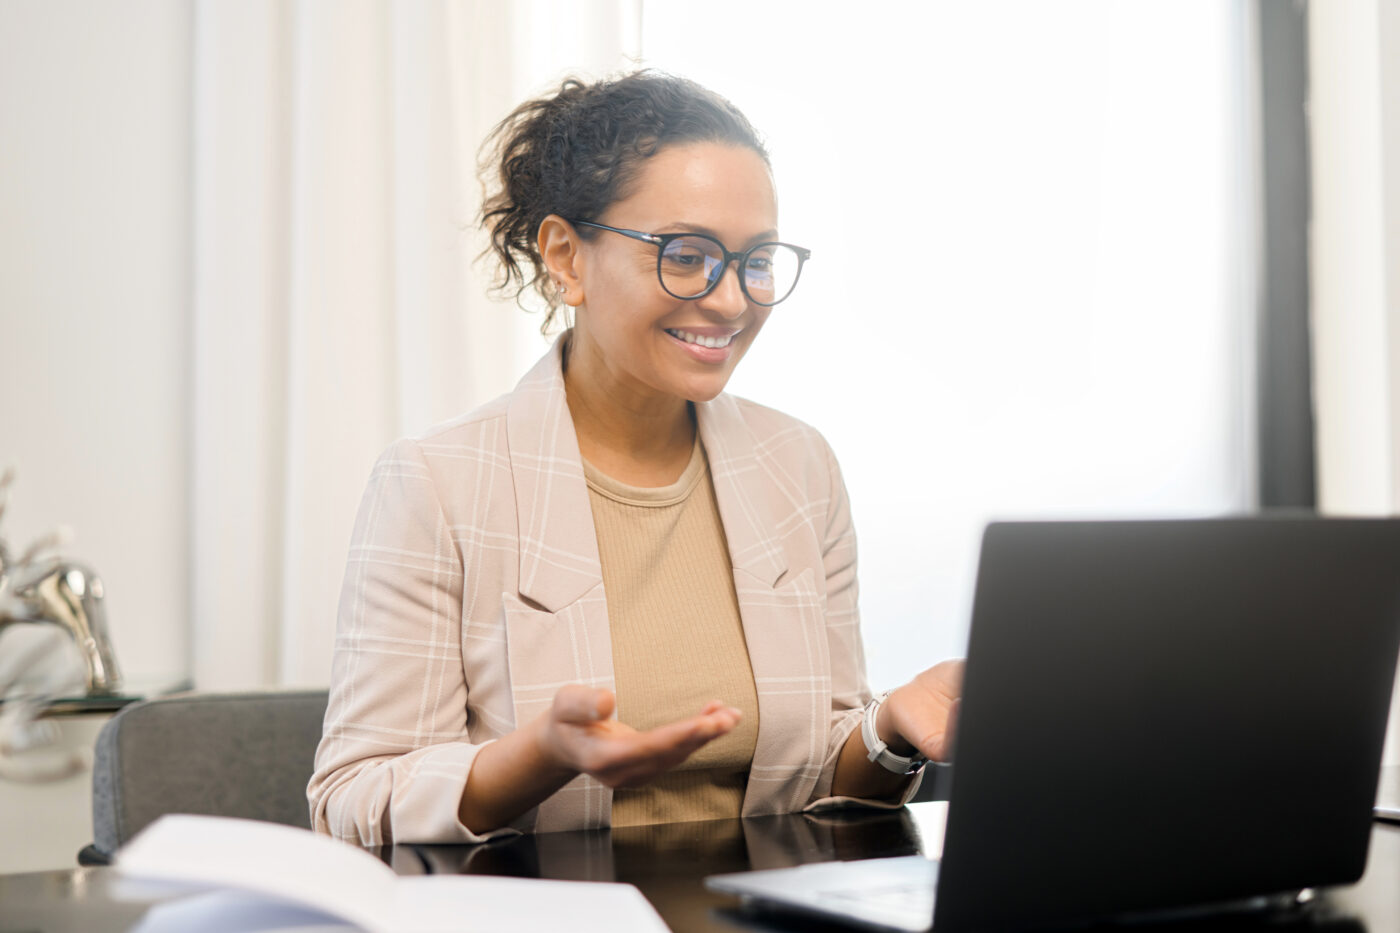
point(1168, 713)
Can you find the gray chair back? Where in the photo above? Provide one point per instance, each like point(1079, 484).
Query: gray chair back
point(221, 754)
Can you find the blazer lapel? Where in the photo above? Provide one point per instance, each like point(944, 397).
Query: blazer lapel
point(557, 625)
point(558, 545)
point(781, 612)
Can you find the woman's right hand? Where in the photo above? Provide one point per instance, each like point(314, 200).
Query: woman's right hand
point(578, 734)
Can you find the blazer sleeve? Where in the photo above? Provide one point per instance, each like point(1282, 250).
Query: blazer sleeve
point(394, 752)
point(850, 691)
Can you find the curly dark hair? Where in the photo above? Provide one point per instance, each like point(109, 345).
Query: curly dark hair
point(576, 151)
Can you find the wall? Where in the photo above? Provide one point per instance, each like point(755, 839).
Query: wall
point(94, 282)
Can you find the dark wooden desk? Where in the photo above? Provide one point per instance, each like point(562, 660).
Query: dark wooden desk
point(669, 862)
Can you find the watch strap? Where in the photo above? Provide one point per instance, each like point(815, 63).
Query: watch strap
point(878, 751)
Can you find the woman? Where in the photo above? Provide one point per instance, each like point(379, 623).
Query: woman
point(615, 595)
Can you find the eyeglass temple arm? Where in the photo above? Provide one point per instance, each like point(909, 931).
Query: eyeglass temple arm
point(634, 234)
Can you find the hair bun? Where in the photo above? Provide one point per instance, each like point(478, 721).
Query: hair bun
point(574, 153)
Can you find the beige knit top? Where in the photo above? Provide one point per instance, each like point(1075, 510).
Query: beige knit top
point(677, 641)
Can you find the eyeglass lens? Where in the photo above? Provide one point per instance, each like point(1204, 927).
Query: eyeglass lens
point(690, 266)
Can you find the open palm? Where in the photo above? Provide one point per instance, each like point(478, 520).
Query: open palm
point(584, 737)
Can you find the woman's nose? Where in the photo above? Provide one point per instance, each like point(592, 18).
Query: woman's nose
point(728, 298)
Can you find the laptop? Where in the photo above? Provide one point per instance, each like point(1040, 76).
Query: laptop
point(1158, 717)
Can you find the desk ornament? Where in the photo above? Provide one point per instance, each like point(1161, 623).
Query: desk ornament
point(53, 643)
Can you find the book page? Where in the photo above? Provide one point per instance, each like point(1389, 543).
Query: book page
point(253, 875)
point(229, 911)
point(266, 858)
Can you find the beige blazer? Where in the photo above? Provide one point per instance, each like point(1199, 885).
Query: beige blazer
point(473, 591)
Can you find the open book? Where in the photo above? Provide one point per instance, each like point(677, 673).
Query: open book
point(244, 875)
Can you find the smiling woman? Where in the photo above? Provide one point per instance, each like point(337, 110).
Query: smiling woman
point(635, 343)
point(616, 595)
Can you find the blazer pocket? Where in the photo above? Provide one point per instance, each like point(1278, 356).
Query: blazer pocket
point(547, 650)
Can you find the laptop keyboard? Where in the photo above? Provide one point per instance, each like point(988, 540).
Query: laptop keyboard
point(893, 893)
point(884, 893)
point(904, 899)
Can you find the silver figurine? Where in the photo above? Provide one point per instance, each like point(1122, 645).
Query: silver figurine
point(62, 593)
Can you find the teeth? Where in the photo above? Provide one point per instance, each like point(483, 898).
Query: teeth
point(714, 343)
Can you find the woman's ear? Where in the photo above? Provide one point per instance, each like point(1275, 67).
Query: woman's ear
point(559, 246)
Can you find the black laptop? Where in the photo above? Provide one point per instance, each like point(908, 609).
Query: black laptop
point(1158, 717)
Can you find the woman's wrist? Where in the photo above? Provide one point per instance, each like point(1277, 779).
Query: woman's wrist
point(511, 775)
point(884, 728)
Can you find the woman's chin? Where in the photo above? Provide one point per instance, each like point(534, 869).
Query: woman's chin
point(704, 390)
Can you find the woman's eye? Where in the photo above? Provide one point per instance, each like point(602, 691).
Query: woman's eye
point(685, 256)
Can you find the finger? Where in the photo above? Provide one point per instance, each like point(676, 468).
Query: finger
point(921, 718)
point(942, 682)
point(634, 758)
point(690, 734)
point(951, 735)
point(579, 704)
point(949, 675)
point(937, 745)
point(727, 712)
point(932, 745)
point(657, 754)
point(628, 758)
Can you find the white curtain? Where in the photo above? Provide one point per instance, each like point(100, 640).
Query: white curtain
point(1355, 148)
point(336, 305)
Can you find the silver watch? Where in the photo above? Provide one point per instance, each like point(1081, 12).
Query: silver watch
point(878, 751)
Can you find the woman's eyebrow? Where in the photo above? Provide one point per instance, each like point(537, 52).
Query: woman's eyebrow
point(765, 236)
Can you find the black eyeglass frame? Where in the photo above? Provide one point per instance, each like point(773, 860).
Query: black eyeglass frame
point(661, 240)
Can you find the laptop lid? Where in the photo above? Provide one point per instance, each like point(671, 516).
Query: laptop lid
point(1162, 714)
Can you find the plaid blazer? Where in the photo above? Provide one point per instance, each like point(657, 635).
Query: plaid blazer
point(473, 591)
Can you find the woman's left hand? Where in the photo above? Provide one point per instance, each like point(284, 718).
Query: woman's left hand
point(923, 713)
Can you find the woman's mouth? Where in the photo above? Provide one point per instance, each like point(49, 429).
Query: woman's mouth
point(713, 343)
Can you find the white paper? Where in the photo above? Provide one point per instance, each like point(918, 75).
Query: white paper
point(489, 904)
point(245, 876)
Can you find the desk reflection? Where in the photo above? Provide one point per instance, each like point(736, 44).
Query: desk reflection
point(668, 862)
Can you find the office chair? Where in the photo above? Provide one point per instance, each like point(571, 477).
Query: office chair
point(222, 754)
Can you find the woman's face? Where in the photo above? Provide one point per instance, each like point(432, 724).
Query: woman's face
point(643, 336)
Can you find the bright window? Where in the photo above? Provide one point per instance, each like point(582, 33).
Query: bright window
point(1030, 287)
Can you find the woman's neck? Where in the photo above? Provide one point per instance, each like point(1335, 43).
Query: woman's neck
point(637, 437)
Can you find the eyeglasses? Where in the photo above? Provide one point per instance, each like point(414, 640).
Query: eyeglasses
point(690, 265)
